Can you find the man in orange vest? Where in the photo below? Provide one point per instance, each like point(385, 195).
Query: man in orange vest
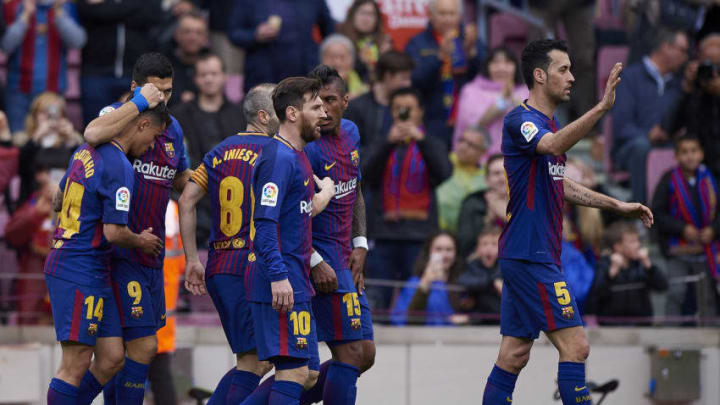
point(161, 380)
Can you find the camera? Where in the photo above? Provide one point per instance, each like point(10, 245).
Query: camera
point(404, 114)
point(706, 71)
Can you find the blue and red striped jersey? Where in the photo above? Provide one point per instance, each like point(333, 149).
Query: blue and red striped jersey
point(97, 189)
point(39, 63)
point(226, 174)
point(284, 180)
point(154, 175)
point(338, 157)
point(535, 184)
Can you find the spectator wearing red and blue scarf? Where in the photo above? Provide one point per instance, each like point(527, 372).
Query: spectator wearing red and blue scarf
point(38, 35)
point(686, 213)
point(402, 172)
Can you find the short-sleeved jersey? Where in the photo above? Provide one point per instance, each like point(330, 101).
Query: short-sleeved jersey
point(226, 174)
point(535, 184)
point(97, 189)
point(337, 157)
point(284, 180)
point(154, 175)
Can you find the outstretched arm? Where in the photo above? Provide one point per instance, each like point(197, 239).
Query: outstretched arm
point(195, 272)
point(576, 193)
point(564, 139)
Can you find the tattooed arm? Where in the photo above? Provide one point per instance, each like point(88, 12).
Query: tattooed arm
point(578, 194)
point(359, 230)
point(359, 224)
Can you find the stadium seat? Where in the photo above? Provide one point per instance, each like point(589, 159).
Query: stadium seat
point(508, 30)
point(73, 109)
point(234, 88)
point(606, 134)
point(72, 92)
point(607, 56)
point(608, 15)
point(658, 162)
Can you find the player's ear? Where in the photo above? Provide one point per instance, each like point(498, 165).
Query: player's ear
point(134, 85)
point(264, 117)
point(539, 75)
point(346, 99)
point(291, 113)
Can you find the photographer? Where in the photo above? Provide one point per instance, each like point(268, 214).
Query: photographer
point(402, 172)
point(698, 110)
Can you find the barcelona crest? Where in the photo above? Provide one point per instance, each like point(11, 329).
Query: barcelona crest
point(169, 150)
point(568, 312)
point(136, 312)
point(355, 323)
point(92, 329)
point(301, 343)
point(355, 157)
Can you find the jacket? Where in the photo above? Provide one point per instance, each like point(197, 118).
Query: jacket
point(435, 156)
point(480, 284)
point(471, 221)
point(372, 118)
point(423, 49)
point(118, 33)
point(294, 52)
point(433, 307)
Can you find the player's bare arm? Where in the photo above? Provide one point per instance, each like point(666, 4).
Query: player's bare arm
point(105, 127)
point(578, 194)
point(322, 198)
point(194, 270)
point(359, 230)
point(57, 201)
point(323, 274)
point(181, 179)
point(122, 236)
point(564, 139)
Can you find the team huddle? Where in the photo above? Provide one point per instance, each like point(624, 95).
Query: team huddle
point(273, 220)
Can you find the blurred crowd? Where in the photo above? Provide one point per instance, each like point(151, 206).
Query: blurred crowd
point(429, 105)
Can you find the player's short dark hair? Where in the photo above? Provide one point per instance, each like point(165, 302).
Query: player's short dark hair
point(393, 62)
point(406, 91)
point(662, 35)
point(504, 50)
point(494, 157)
point(151, 64)
point(687, 138)
point(328, 75)
point(291, 92)
point(616, 231)
point(159, 114)
point(206, 56)
point(537, 55)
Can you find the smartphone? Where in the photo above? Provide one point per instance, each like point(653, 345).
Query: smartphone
point(404, 114)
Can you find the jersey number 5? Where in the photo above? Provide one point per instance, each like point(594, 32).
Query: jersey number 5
point(563, 295)
point(231, 197)
point(72, 199)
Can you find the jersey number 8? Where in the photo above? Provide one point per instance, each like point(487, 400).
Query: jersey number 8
point(231, 197)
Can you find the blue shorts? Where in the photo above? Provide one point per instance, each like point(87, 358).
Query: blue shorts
point(228, 294)
point(81, 313)
point(338, 317)
point(140, 293)
point(285, 337)
point(535, 297)
point(366, 318)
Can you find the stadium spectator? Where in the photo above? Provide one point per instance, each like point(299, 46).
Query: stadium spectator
point(371, 111)
point(425, 299)
point(29, 231)
point(363, 25)
point(583, 227)
point(482, 278)
point(627, 266)
point(447, 55)
point(402, 171)
point(278, 37)
point(495, 90)
point(648, 90)
point(218, 11)
point(484, 207)
point(467, 177)
point(9, 154)
point(579, 272)
point(119, 35)
point(206, 121)
point(338, 51)
point(191, 39)
point(576, 17)
point(48, 142)
point(698, 110)
point(37, 37)
point(686, 214)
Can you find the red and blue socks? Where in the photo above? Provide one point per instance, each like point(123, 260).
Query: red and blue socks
point(285, 393)
point(61, 393)
point(571, 384)
point(89, 388)
point(243, 383)
point(499, 387)
point(340, 386)
point(130, 383)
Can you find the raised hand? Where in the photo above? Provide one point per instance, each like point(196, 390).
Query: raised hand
point(609, 97)
point(152, 94)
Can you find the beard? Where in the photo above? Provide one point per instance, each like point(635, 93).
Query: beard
point(307, 131)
